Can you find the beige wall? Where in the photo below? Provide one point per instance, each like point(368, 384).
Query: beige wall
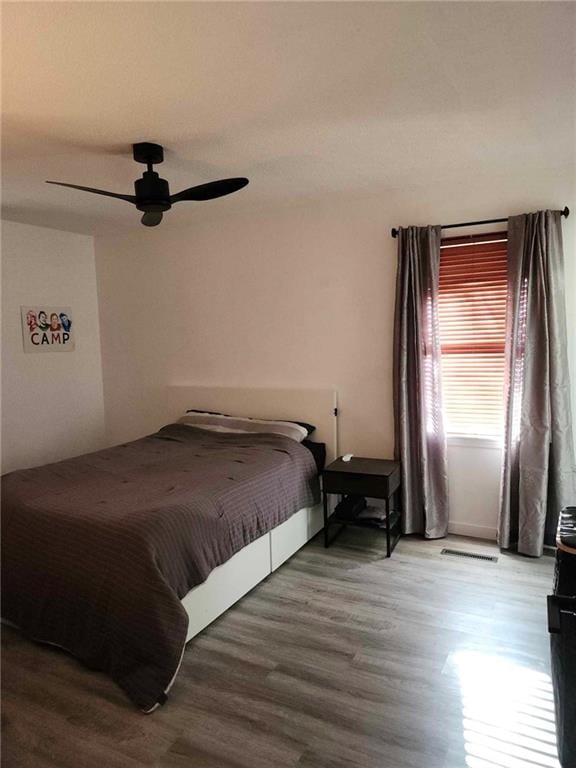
point(298, 297)
point(52, 403)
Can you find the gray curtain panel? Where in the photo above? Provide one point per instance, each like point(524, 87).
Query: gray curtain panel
point(419, 430)
point(539, 473)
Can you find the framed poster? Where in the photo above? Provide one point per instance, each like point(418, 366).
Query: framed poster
point(47, 329)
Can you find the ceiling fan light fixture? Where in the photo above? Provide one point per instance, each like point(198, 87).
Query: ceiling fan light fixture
point(152, 218)
point(152, 193)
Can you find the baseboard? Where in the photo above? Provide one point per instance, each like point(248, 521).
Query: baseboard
point(475, 531)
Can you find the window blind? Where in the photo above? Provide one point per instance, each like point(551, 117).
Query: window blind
point(472, 318)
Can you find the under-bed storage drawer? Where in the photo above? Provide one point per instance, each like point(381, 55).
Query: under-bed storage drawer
point(227, 584)
point(288, 537)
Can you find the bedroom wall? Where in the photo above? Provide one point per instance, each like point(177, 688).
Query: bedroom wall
point(52, 403)
point(294, 295)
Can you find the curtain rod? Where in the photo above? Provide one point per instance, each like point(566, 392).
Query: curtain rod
point(564, 212)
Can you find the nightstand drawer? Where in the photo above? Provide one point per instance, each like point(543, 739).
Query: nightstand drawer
point(365, 485)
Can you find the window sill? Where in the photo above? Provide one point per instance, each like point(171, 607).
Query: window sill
point(474, 441)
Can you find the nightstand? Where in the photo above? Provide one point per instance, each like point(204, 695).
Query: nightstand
point(374, 478)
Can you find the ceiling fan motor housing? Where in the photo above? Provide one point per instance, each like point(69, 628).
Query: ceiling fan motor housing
point(152, 193)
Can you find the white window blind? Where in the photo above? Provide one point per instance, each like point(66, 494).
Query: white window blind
point(472, 317)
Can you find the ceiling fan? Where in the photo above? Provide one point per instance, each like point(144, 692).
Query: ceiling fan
point(152, 194)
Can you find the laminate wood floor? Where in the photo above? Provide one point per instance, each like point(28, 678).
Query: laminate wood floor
point(341, 659)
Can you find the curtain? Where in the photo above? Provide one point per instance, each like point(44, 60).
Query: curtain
point(420, 443)
point(538, 474)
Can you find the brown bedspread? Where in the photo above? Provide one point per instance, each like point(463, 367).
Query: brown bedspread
point(99, 549)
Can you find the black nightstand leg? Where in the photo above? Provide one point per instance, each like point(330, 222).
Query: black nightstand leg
point(325, 502)
point(388, 550)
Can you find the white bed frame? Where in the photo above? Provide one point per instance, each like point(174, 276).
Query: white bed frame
point(229, 582)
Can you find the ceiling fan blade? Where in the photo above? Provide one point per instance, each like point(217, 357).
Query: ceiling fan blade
point(128, 198)
point(151, 218)
point(210, 191)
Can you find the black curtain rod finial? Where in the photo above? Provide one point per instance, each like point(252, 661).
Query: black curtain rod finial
point(564, 212)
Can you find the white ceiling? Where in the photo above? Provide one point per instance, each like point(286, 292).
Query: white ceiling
point(307, 99)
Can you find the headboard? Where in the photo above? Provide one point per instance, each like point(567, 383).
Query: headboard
point(315, 406)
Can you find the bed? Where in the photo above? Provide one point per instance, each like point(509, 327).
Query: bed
point(123, 555)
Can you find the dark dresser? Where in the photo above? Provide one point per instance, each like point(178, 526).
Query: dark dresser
point(562, 628)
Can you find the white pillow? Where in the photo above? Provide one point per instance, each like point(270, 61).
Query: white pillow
point(217, 423)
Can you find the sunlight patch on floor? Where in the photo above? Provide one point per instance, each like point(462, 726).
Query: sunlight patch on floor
point(508, 712)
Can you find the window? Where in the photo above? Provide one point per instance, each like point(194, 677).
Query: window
point(472, 317)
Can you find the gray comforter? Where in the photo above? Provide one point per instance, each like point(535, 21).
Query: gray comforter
point(98, 550)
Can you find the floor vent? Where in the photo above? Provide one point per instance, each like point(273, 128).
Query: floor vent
point(473, 555)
